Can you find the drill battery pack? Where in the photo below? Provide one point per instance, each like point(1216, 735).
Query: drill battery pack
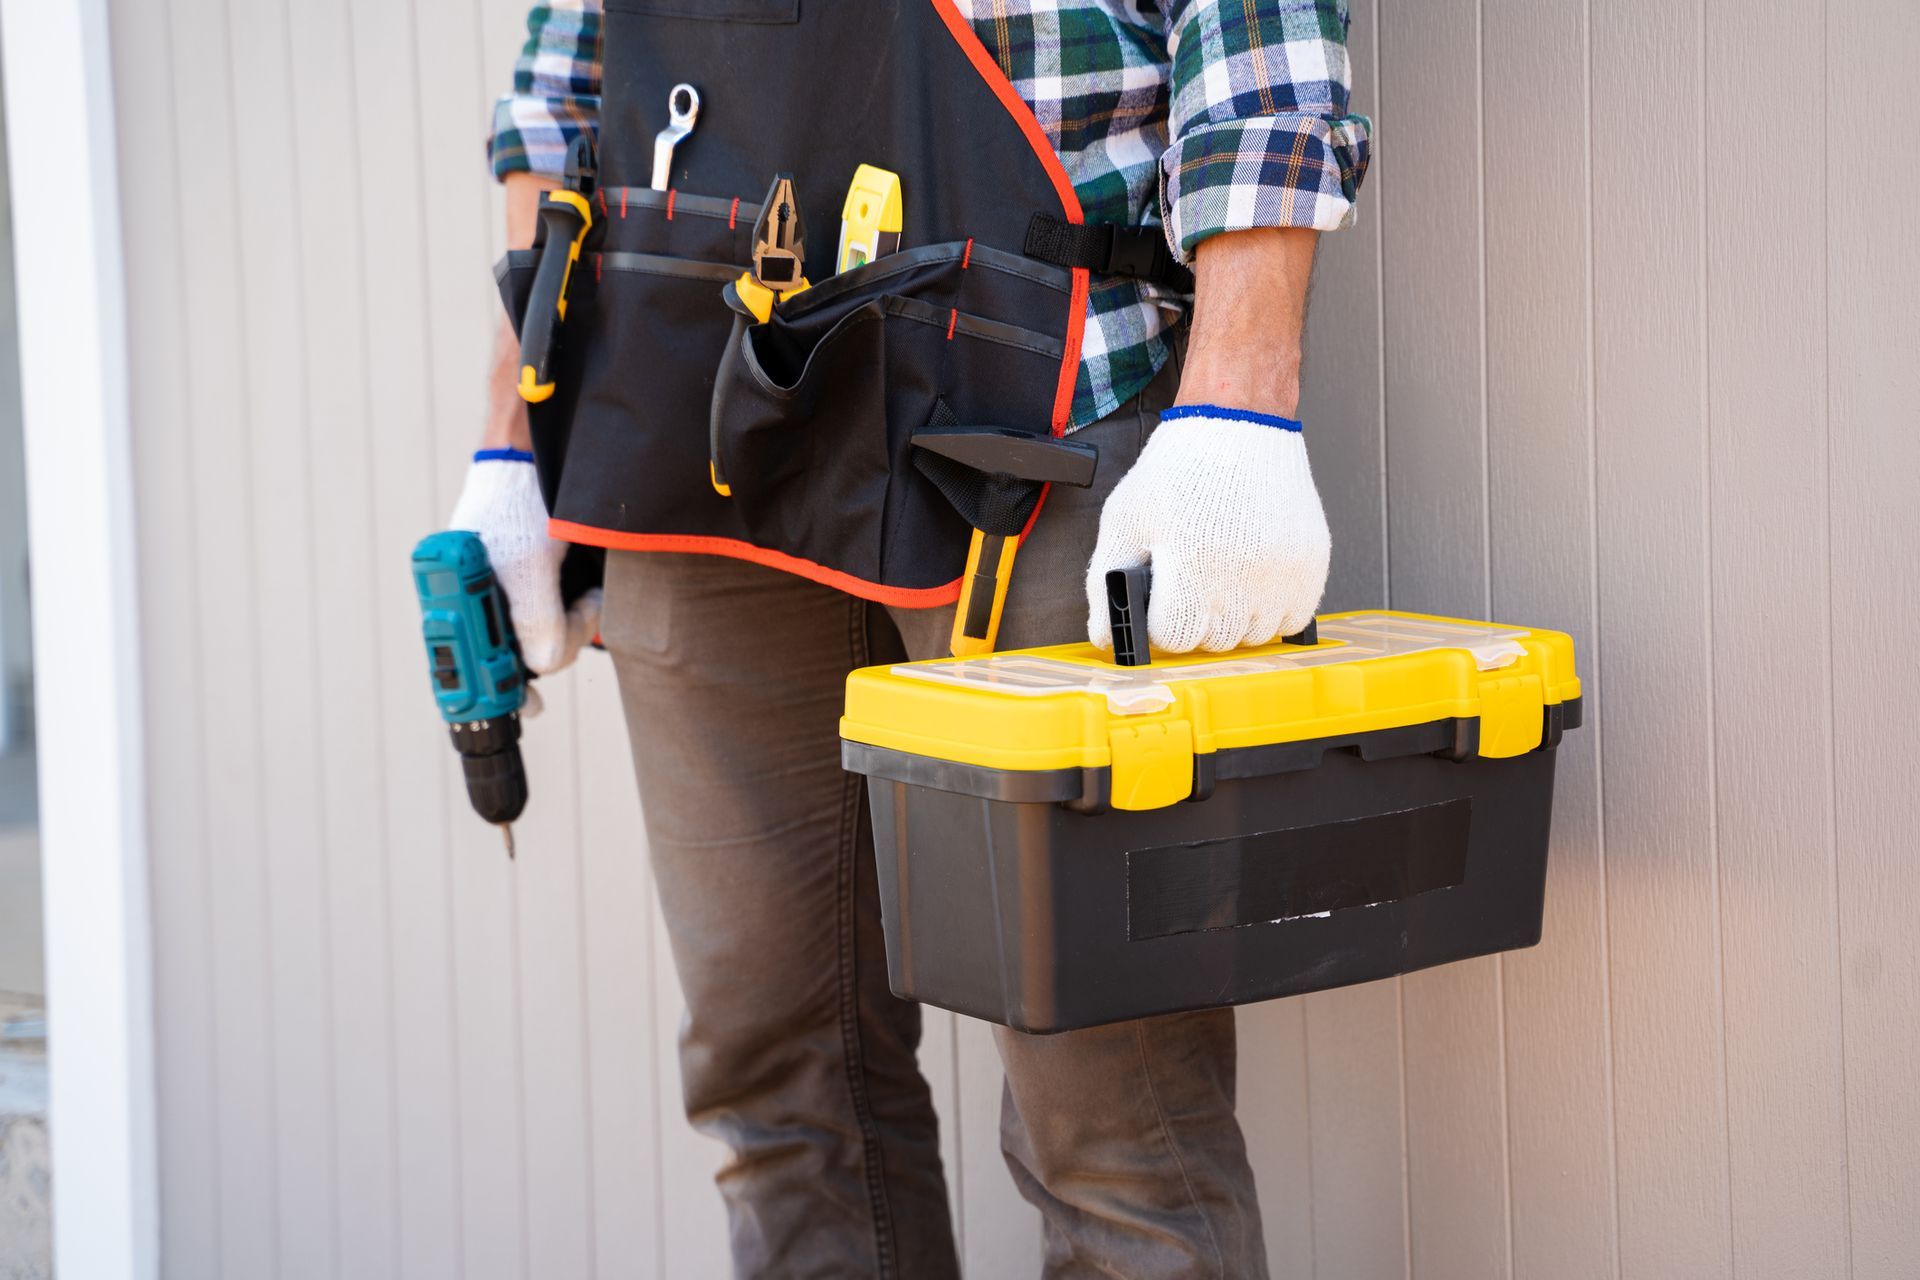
point(1063, 842)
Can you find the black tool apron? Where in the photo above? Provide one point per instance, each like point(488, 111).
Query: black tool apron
point(814, 409)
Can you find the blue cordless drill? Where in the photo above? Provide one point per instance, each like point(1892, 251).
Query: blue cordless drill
point(478, 679)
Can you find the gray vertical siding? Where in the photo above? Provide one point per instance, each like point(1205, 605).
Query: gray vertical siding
point(1872, 324)
point(1624, 344)
point(1655, 730)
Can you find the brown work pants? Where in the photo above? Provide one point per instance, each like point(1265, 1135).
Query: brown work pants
point(794, 1052)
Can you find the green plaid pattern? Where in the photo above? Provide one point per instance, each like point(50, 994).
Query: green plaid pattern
point(1200, 115)
point(556, 90)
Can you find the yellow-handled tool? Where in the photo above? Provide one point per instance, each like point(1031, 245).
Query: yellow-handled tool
point(1012, 468)
point(565, 218)
point(870, 219)
point(779, 250)
point(983, 593)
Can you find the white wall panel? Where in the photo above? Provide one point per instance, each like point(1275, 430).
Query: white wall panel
point(184, 956)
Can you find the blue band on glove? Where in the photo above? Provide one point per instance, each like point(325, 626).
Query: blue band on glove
point(502, 455)
point(1231, 415)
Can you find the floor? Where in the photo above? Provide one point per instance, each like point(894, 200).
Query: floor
point(26, 1179)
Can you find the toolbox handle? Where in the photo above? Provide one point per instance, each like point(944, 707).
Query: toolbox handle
point(1128, 591)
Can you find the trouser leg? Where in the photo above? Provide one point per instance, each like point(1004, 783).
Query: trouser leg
point(794, 1052)
point(1123, 1136)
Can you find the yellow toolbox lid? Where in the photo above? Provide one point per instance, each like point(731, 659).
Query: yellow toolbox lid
point(1068, 707)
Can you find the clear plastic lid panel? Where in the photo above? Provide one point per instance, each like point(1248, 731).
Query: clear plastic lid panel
point(1138, 690)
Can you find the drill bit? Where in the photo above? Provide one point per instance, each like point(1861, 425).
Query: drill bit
point(506, 832)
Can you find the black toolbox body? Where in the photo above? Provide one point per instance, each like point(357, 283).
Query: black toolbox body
point(1028, 898)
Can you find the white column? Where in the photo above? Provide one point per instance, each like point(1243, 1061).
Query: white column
point(72, 302)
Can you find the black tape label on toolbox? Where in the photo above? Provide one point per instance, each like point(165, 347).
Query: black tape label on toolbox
point(1270, 876)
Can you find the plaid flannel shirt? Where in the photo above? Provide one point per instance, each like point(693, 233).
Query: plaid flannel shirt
point(1201, 115)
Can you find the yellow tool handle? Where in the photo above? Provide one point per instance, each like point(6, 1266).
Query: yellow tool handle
point(566, 217)
point(759, 300)
point(983, 593)
point(870, 218)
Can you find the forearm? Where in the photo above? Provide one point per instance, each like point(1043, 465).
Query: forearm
point(1250, 306)
point(506, 425)
point(1263, 154)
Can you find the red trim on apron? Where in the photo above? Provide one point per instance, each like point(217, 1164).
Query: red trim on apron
point(587, 535)
point(969, 42)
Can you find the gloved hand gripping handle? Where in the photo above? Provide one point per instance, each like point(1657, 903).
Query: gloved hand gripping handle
point(1128, 591)
point(1221, 503)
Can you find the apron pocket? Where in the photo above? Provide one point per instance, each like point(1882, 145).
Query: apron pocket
point(804, 450)
point(814, 411)
point(655, 328)
point(644, 330)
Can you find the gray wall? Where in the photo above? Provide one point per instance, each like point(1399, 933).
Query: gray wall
point(1625, 344)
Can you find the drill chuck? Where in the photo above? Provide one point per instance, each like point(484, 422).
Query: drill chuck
point(490, 759)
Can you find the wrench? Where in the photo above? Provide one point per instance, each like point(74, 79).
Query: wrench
point(683, 109)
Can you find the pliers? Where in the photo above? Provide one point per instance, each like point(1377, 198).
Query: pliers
point(779, 252)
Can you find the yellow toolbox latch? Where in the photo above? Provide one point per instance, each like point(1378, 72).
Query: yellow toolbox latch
point(1512, 715)
point(1152, 764)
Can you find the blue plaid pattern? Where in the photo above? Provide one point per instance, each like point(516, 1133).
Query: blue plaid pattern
point(1201, 115)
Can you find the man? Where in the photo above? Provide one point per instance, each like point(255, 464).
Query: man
point(1224, 120)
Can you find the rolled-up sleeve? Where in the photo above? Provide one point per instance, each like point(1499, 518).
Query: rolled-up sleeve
point(1259, 131)
point(556, 90)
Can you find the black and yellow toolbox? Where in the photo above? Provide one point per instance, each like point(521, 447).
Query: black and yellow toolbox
point(1064, 842)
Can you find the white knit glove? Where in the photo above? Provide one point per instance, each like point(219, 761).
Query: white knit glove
point(1221, 502)
point(501, 502)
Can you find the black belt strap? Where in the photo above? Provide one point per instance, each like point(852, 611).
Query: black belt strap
point(1137, 252)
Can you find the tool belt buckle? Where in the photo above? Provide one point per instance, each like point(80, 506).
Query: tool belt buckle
point(1139, 252)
